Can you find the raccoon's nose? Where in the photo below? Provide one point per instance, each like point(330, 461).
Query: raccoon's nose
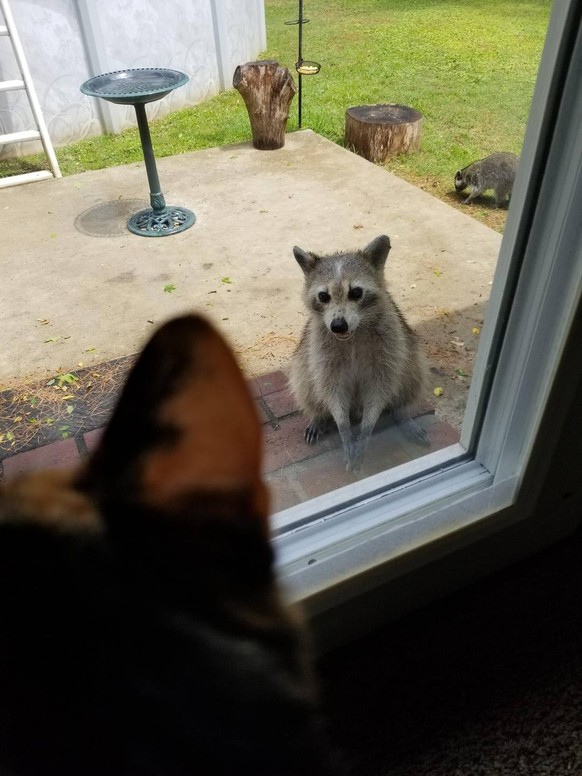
point(339, 326)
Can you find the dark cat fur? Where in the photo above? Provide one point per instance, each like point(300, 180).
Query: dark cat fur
point(141, 629)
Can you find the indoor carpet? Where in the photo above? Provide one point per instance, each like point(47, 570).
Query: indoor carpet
point(487, 682)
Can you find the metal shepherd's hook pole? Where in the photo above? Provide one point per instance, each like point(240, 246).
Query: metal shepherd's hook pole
point(300, 60)
point(303, 68)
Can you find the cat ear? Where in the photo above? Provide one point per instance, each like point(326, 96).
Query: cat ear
point(185, 425)
point(377, 251)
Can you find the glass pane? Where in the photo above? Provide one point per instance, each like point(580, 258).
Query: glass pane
point(474, 92)
point(81, 294)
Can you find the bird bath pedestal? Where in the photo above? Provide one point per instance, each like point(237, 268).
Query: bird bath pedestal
point(137, 87)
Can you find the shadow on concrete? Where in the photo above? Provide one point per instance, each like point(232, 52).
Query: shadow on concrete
point(108, 219)
point(450, 340)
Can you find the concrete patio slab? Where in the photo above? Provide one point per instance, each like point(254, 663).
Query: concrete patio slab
point(79, 288)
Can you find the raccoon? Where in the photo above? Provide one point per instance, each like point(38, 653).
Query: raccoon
point(495, 172)
point(357, 356)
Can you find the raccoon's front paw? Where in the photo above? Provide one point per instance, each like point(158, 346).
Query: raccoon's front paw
point(355, 456)
point(415, 433)
point(312, 433)
point(354, 465)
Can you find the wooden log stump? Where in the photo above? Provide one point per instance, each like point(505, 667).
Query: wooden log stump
point(379, 131)
point(267, 90)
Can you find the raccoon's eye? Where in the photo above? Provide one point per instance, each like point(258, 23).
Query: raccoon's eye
point(323, 297)
point(355, 293)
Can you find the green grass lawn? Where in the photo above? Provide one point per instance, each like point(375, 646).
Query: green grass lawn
point(468, 65)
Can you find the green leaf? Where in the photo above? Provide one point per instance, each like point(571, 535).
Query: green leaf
point(169, 288)
point(67, 378)
point(226, 280)
point(70, 408)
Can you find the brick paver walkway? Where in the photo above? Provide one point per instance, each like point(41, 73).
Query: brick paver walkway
point(295, 471)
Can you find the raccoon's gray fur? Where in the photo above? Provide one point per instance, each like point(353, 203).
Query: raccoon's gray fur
point(495, 172)
point(357, 355)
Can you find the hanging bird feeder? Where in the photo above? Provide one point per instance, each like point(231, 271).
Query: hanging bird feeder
point(303, 66)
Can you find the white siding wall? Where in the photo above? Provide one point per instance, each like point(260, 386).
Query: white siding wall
point(68, 41)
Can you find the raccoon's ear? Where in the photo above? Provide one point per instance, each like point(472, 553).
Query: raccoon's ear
point(185, 425)
point(377, 251)
point(306, 261)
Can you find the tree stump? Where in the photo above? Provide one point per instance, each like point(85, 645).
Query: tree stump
point(379, 131)
point(267, 90)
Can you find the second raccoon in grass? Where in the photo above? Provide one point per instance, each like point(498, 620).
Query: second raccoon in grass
point(357, 356)
point(495, 172)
